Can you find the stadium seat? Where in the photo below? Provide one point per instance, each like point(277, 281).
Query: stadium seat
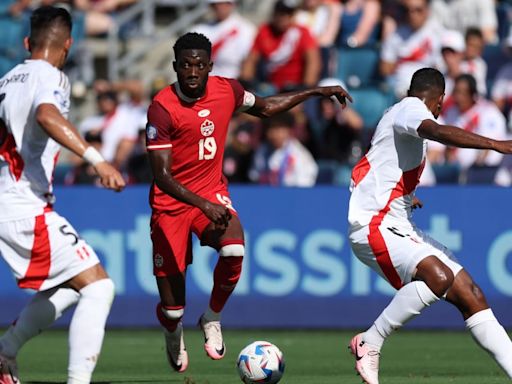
point(371, 103)
point(480, 175)
point(357, 67)
point(326, 171)
point(446, 173)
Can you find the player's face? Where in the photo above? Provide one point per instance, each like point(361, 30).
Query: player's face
point(192, 67)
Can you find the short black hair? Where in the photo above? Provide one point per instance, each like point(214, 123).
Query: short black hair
point(471, 82)
point(427, 79)
point(44, 20)
point(474, 32)
point(192, 40)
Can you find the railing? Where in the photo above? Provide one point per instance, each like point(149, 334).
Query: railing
point(189, 13)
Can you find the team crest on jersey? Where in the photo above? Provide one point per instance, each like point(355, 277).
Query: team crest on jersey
point(151, 132)
point(61, 99)
point(203, 113)
point(158, 260)
point(207, 127)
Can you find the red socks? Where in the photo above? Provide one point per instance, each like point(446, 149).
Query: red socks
point(226, 275)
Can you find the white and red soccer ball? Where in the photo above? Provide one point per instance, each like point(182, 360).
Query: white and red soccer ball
point(260, 362)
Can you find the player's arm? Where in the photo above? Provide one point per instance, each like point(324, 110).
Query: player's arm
point(272, 105)
point(160, 162)
point(64, 133)
point(456, 137)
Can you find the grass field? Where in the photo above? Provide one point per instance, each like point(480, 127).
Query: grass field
point(313, 357)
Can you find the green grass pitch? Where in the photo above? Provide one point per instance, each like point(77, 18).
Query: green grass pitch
point(313, 357)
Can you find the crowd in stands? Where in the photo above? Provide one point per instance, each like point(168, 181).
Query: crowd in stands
point(371, 47)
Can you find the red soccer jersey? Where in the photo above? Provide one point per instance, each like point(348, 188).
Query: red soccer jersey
point(284, 53)
point(195, 131)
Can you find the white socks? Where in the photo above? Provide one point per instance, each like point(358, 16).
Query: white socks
point(87, 329)
point(44, 308)
point(490, 335)
point(408, 302)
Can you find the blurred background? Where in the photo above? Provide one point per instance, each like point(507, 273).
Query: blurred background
point(290, 174)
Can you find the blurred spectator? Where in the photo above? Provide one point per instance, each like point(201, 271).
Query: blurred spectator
point(413, 45)
point(322, 20)
point(501, 91)
point(118, 126)
point(137, 167)
point(287, 52)
point(14, 25)
point(282, 160)
point(463, 14)
point(474, 114)
point(83, 172)
point(239, 152)
point(453, 49)
point(336, 131)
point(473, 62)
point(358, 23)
point(231, 35)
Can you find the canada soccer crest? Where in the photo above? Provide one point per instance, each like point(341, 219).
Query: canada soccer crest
point(207, 127)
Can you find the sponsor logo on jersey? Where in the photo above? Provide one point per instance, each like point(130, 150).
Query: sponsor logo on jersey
point(151, 132)
point(207, 127)
point(158, 260)
point(203, 113)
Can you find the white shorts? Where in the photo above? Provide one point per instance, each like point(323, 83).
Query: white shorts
point(44, 251)
point(395, 248)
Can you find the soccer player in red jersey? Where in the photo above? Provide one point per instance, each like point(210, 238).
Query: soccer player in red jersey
point(186, 132)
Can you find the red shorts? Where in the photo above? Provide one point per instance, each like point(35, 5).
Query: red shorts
point(171, 235)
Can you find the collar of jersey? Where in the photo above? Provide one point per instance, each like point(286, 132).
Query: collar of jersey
point(184, 97)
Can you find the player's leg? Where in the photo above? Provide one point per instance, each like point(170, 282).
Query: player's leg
point(172, 252)
point(87, 327)
point(229, 242)
point(480, 320)
point(407, 261)
point(43, 309)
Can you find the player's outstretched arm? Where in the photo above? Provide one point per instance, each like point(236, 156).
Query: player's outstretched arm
point(269, 106)
point(160, 161)
point(64, 133)
point(457, 137)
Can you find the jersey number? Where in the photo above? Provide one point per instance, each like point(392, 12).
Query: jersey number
point(207, 148)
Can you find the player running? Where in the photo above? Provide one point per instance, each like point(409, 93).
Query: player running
point(186, 133)
point(383, 236)
point(43, 250)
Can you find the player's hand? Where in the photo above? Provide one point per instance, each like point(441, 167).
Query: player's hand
point(416, 203)
point(504, 147)
point(338, 92)
point(217, 213)
point(109, 176)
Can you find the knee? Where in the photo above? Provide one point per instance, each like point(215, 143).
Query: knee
point(100, 290)
point(232, 250)
point(169, 313)
point(441, 282)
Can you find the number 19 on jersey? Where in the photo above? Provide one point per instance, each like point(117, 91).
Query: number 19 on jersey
point(207, 148)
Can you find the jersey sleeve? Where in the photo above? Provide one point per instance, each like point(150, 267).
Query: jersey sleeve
point(244, 100)
point(158, 128)
point(52, 88)
point(410, 118)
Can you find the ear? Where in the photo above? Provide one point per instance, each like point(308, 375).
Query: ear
point(68, 43)
point(175, 66)
point(210, 66)
point(26, 43)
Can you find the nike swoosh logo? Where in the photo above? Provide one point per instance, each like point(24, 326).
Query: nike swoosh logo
point(357, 354)
point(220, 351)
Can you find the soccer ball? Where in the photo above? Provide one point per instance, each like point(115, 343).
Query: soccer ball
point(260, 362)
